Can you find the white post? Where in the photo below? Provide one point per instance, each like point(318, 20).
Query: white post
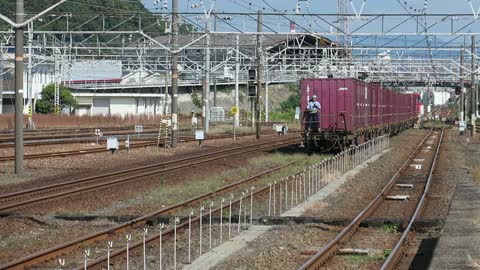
point(201, 225)
point(161, 225)
point(221, 219)
point(176, 222)
point(190, 236)
point(109, 246)
point(129, 237)
point(207, 78)
point(266, 91)
point(237, 78)
point(145, 232)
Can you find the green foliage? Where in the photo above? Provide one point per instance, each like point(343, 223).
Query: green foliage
point(293, 87)
point(292, 102)
point(46, 104)
point(114, 12)
point(390, 228)
point(287, 108)
point(196, 99)
point(288, 115)
point(386, 253)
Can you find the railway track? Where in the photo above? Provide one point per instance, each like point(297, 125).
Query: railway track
point(11, 132)
point(89, 139)
point(77, 152)
point(60, 136)
point(38, 137)
point(75, 245)
point(11, 201)
point(103, 149)
point(420, 187)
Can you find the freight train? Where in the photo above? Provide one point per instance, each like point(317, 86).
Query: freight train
point(353, 111)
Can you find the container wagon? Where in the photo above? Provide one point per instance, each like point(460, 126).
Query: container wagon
point(353, 111)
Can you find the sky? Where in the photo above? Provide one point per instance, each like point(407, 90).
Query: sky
point(319, 6)
point(330, 6)
point(312, 24)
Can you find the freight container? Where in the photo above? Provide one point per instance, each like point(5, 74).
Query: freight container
point(351, 108)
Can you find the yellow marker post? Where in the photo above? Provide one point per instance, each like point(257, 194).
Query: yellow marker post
point(233, 112)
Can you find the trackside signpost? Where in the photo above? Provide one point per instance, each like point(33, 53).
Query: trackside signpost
point(233, 112)
point(138, 130)
point(98, 134)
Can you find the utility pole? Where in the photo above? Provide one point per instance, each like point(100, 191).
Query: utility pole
point(474, 88)
point(462, 96)
point(214, 90)
point(165, 99)
point(259, 73)
point(237, 78)
point(19, 68)
point(429, 107)
point(1, 86)
point(174, 72)
point(206, 96)
point(266, 93)
point(29, 81)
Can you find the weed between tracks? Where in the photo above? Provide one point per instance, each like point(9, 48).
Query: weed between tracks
point(358, 259)
point(172, 193)
point(390, 228)
point(476, 175)
point(376, 256)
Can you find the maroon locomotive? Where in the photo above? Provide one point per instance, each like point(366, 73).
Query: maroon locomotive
point(352, 111)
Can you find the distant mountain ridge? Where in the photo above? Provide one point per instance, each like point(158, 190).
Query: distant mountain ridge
point(115, 12)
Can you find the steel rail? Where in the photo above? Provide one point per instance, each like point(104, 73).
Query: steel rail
point(145, 137)
point(73, 152)
point(35, 137)
point(51, 253)
point(72, 187)
point(72, 130)
point(103, 149)
point(323, 255)
point(117, 254)
point(72, 141)
point(394, 257)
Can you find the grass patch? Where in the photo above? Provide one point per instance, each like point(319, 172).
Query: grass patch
point(476, 175)
point(219, 129)
point(167, 194)
point(390, 228)
point(358, 259)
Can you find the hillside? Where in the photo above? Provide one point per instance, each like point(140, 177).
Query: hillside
point(114, 11)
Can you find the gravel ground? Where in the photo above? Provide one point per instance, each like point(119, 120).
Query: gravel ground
point(355, 194)
point(395, 209)
point(284, 247)
point(26, 235)
point(54, 170)
point(376, 239)
point(122, 201)
point(298, 242)
point(40, 149)
point(456, 162)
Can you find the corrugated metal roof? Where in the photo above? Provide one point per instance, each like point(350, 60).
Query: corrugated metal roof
point(229, 40)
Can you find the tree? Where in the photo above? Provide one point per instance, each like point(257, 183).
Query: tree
point(291, 103)
point(112, 13)
point(47, 103)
